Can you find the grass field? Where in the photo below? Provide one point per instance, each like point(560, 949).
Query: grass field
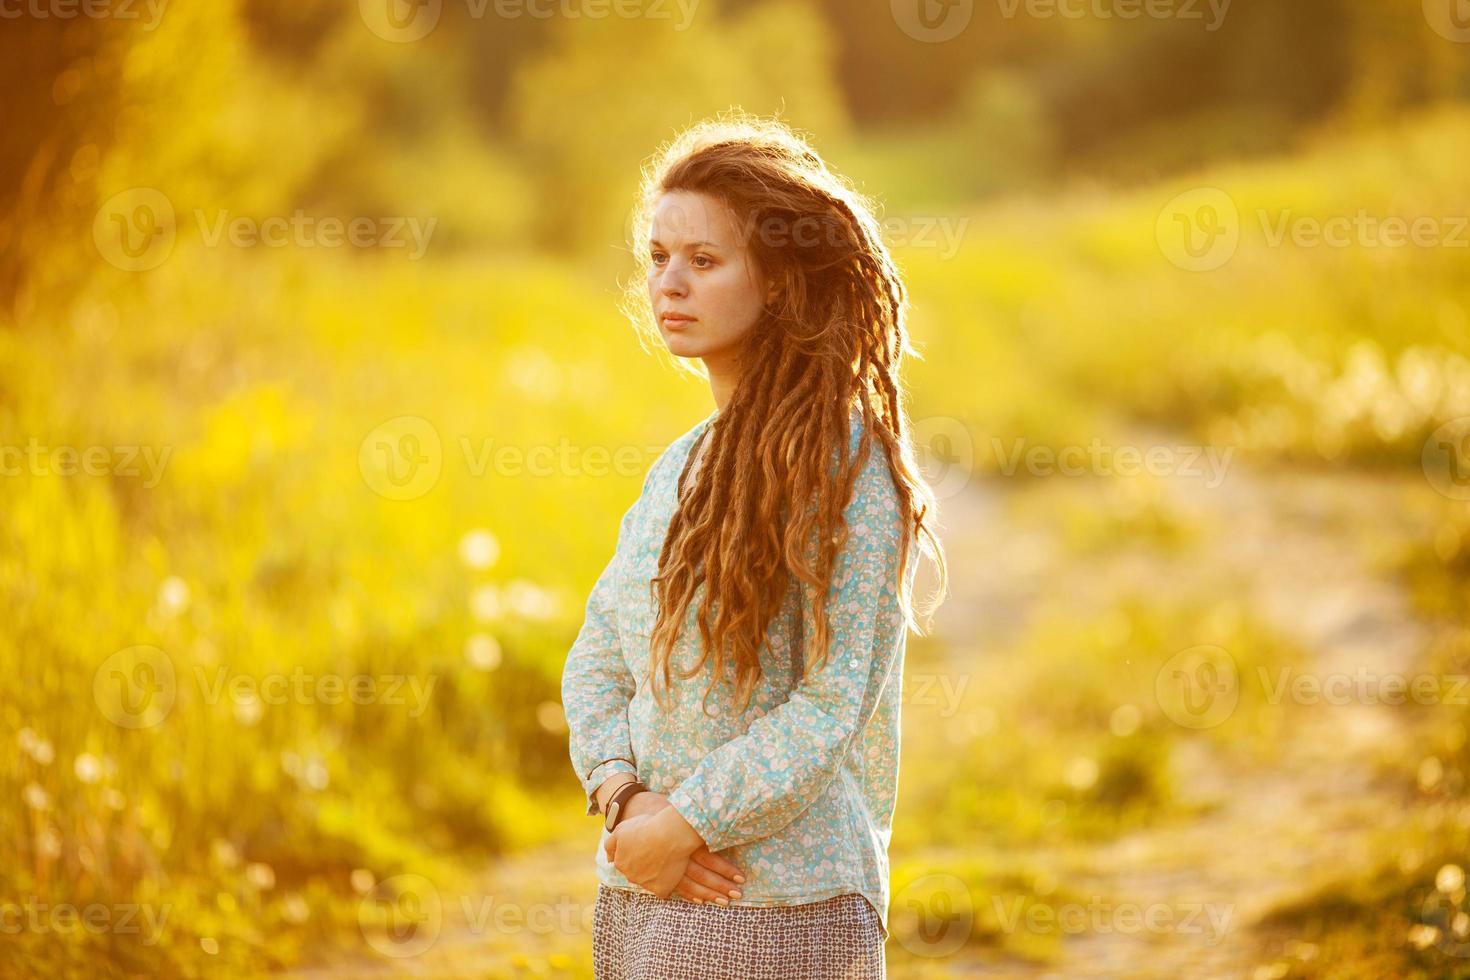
point(300, 628)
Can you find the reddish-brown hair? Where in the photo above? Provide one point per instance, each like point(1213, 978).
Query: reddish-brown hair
point(829, 343)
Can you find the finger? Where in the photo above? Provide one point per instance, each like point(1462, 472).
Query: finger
point(701, 893)
point(717, 884)
point(685, 890)
point(718, 865)
point(609, 846)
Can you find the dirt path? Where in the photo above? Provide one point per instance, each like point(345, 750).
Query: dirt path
point(1290, 547)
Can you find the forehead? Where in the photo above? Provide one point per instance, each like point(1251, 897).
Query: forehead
point(686, 216)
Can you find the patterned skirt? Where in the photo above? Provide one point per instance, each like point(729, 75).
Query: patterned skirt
point(639, 936)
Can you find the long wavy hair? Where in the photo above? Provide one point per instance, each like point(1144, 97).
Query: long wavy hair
point(765, 503)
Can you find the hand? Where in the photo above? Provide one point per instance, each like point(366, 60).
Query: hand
point(643, 804)
point(652, 850)
point(707, 877)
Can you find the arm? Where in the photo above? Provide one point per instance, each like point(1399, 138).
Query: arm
point(756, 784)
point(596, 688)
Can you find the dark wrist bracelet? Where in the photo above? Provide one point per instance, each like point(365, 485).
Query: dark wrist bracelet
point(619, 800)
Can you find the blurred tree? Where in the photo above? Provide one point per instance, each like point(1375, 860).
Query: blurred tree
point(62, 97)
point(603, 97)
point(294, 30)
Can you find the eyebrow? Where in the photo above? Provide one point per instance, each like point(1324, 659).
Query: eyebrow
point(655, 241)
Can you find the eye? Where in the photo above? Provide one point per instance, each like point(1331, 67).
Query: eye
point(658, 257)
point(703, 258)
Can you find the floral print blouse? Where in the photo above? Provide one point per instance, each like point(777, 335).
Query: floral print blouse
point(797, 790)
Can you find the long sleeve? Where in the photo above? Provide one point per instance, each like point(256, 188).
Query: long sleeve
point(597, 686)
point(757, 783)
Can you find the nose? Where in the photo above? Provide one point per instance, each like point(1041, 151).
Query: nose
point(672, 282)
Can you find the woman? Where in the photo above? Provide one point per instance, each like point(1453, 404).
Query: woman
point(741, 737)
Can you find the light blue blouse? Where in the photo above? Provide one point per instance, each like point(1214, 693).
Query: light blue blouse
point(797, 790)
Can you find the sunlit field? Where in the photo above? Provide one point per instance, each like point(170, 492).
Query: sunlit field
point(294, 540)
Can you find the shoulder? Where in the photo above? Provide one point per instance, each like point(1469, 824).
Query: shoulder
point(669, 462)
point(875, 478)
point(874, 510)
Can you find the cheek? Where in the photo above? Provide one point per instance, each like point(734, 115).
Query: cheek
point(738, 302)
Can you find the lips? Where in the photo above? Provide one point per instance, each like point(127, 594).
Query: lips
point(676, 318)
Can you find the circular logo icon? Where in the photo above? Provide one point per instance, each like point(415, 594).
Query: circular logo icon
point(1446, 923)
point(1450, 19)
point(402, 916)
point(402, 458)
point(1446, 458)
point(1199, 230)
point(946, 454)
point(932, 21)
point(135, 687)
point(400, 21)
point(1198, 687)
point(936, 914)
point(135, 230)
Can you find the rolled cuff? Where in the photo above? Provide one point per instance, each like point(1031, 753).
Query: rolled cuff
point(682, 799)
point(599, 775)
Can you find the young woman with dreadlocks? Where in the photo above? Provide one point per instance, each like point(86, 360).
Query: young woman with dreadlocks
point(739, 736)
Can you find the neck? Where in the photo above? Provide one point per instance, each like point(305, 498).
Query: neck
point(723, 377)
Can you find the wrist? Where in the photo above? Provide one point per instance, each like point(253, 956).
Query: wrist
point(679, 832)
point(611, 785)
point(644, 804)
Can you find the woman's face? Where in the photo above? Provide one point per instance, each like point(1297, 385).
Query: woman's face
point(700, 268)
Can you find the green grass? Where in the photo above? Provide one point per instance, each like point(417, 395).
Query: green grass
point(264, 548)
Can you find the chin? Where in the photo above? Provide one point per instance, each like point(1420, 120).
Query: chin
point(681, 346)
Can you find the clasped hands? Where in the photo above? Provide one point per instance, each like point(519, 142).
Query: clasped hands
point(654, 847)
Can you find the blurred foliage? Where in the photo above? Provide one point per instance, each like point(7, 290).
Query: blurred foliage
point(259, 379)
